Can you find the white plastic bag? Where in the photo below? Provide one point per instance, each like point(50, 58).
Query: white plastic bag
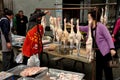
point(33, 61)
point(19, 58)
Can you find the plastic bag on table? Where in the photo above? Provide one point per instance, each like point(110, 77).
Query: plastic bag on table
point(19, 58)
point(33, 60)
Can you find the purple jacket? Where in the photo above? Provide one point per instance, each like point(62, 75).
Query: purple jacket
point(103, 38)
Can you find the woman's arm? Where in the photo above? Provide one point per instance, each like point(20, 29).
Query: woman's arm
point(83, 28)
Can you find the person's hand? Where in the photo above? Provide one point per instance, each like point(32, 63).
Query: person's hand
point(113, 39)
point(15, 32)
point(112, 35)
point(90, 22)
point(113, 52)
point(9, 46)
point(46, 12)
point(22, 21)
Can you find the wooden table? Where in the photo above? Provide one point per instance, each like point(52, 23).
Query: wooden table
point(73, 56)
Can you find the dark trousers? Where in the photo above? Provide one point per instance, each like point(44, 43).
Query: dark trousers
point(117, 44)
point(25, 59)
point(7, 60)
point(102, 65)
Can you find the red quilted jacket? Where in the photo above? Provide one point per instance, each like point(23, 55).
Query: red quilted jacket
point(30, 45)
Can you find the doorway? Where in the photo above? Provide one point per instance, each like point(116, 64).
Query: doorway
point(71, 13)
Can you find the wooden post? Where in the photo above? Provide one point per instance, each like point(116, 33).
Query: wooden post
point(1, 7)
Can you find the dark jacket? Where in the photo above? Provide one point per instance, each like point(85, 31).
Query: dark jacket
point(5, 27)
point(5, 33)
point(33, 20)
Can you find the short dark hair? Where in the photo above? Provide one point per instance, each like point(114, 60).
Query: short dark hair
point(21, 11)
point(37, 11)
point(8, 12)
point(95, 14)
point(5, 10)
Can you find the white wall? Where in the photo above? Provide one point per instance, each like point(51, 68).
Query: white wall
point(28, 6)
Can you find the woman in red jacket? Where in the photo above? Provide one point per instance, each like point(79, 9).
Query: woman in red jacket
point(33, 41)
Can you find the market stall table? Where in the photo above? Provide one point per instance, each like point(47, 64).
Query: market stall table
point(57, 74)
point(46, 74)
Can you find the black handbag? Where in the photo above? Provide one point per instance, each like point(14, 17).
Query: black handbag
point(114, 63)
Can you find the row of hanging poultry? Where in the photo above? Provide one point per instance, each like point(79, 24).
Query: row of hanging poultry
point(63, 35)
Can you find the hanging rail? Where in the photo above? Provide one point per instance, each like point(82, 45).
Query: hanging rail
point(100, 4)
point(66, 8)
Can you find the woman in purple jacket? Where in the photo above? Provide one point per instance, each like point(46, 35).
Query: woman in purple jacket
point(103, 42)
